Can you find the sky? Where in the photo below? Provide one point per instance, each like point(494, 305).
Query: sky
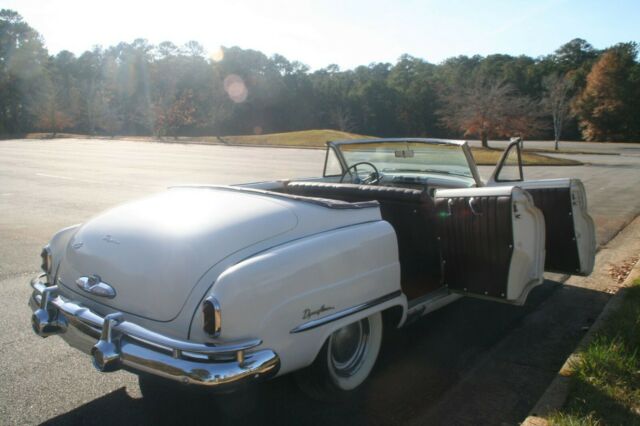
point(343, 32)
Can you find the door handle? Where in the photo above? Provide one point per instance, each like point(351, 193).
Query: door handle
point(473, 207)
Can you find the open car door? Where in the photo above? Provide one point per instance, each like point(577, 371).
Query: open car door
point(570, 232)
point(491, 241)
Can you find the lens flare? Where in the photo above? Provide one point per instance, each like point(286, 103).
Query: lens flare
point(235, 88)
point(218, 55)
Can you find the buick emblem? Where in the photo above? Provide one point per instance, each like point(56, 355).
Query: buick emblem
point(94, 285)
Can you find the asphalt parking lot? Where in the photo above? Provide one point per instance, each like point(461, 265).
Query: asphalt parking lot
point(47, 185)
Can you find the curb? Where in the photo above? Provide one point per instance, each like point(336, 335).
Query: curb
point(556, 394)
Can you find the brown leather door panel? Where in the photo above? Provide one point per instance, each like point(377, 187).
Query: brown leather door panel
point(561, 246)
point(476, 243)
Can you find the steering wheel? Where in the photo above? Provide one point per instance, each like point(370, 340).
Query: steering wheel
point(372, 179)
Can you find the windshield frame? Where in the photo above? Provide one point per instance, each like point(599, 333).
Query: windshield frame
point(464, 146)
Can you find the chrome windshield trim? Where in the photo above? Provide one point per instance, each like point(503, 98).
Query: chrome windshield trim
point(399, 140)
point(464, 145)
point(309, 325)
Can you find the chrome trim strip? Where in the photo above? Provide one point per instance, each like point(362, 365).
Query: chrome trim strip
point(344, 313)
point(324, 202)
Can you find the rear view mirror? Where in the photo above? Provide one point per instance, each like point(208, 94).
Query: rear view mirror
point(404, 153)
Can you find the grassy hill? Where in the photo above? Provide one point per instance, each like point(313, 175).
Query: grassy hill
point(303, 138)
point(318, 139)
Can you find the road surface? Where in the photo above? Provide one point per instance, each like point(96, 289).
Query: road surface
point(47, 185)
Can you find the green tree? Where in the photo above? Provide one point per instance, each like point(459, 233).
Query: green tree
point(23, 59)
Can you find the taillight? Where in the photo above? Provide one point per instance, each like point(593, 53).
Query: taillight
point(211, 315)
point(47, 264)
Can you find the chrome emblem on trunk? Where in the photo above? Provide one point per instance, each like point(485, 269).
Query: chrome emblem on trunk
point(94, 285)
point(110, 239)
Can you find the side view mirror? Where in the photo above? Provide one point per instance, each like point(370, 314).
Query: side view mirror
point(509, 168)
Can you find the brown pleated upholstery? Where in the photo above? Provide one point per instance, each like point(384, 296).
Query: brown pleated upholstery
point(561, 246)
point(476, 249)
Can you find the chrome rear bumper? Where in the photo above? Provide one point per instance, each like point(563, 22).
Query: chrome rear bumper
point(115, 343)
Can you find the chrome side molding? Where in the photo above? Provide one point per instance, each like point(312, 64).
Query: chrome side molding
point(309, 325)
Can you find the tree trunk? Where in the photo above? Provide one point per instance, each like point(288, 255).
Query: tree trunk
point(484, 138)
point(557, 143)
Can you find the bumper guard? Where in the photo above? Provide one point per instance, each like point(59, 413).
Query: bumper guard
point(122, 344)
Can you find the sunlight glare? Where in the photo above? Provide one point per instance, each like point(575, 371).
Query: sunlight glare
point(235, 88)
point(217, 55)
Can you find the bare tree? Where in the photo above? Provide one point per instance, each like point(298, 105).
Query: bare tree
point(556, 101)
point(490, 109)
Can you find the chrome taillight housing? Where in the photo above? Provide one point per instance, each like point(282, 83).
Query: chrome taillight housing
point(47, 262)
point(211, 315)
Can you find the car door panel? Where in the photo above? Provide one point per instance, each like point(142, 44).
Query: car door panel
point(491, 242)
point(570, 231)
point(570, 243)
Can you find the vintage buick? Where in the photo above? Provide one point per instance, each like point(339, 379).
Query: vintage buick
point(220, 286)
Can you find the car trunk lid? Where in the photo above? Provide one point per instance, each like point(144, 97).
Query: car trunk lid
point(152, 252)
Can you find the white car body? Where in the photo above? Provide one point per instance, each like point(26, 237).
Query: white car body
point(281, 273)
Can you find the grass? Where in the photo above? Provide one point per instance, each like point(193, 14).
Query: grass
point(304, 138)
point(490, 157)
point(318, 139)
point(605, 380)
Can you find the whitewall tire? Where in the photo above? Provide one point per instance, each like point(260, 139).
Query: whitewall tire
point(345, 360)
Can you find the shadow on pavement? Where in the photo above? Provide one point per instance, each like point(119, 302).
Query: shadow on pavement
point(472, 362)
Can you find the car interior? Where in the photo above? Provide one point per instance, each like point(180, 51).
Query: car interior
point(410, 211)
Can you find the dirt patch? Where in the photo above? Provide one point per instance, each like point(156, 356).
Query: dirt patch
point(620, 272)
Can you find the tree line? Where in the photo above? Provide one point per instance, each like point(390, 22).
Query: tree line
point(577, 92)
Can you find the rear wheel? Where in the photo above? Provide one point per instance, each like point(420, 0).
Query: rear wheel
point(345, 360)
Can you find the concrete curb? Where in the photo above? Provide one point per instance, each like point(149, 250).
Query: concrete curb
point(556, 394)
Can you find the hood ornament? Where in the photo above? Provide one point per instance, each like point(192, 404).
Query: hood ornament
point(93, 284)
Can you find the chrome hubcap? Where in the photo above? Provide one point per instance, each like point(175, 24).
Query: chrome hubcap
point(347, 348)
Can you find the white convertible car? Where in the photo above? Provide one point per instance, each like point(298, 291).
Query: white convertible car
point(220, 286)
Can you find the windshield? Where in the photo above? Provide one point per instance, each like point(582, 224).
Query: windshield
point(409, 157)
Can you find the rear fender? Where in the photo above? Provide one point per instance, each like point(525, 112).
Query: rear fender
point(295, 295)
